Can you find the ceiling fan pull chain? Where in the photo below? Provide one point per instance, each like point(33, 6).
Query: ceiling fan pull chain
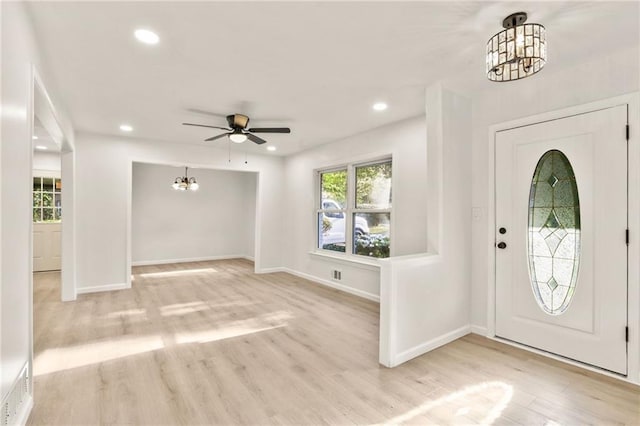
point(229, 150)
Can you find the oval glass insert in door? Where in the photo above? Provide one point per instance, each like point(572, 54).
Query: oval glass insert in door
point(553, 237)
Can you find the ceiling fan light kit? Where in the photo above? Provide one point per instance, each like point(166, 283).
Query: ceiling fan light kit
point(237, 137)
point(185, 182)
point(238, 132)
point(518, 51)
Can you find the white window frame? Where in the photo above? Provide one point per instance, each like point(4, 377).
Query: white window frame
point(42, 176)
point(349, 210)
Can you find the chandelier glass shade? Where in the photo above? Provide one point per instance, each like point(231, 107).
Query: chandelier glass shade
point(185, 182)
point(518, 51)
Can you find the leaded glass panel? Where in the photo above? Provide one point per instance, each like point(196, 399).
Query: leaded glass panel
point(553, 238)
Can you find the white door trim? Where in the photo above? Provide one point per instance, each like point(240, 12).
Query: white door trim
point(42, 106)
point(633, 102)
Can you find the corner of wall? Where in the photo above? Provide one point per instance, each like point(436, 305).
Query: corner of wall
point(426, 300)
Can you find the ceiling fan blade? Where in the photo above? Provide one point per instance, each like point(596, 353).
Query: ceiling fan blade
point(216, 137)
point(270, 130)
point(254, 138)
point(204, 125)
point(205, 112)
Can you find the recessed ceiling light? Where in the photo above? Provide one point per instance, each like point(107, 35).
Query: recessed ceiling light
point(34, 137)
point(41, 147)
point(380, 106)
point(271, 148)
point(146, 36)
point(126, 128)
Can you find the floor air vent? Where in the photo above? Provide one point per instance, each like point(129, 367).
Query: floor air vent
point(14, 403)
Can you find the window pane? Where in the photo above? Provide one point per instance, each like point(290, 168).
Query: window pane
point(47, 199)
point(47, 184)
point(57, 214)
point(58, 200)
point(37, 184)
point(331, 232)
point(47, 215)
point(334, 189)
point(37, 199)
point(371, 234)
point(373, 186)
point(58, 185)
point(37, 215)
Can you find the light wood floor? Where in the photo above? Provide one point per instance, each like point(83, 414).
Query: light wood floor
point(212, 343)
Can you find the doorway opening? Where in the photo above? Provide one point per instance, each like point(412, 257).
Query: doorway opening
point(214, 220)
point(52, 163)
point(47, 201)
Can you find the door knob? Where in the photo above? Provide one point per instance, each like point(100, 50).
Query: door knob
point(502, 245)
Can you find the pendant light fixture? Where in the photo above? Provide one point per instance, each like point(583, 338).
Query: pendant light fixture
point(518, 51)
point(185, 182)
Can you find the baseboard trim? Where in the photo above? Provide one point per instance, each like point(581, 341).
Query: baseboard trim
point(101, 288)
point(25, 411)
point(327, 283)
point(271, 270)
point(480, 330)
point(190, 259)
point(430, 345)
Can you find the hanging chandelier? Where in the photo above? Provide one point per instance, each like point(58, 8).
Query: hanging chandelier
point(185, 182)
point(518, 51)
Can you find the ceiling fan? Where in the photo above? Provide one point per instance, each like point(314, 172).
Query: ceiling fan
point(238, 131)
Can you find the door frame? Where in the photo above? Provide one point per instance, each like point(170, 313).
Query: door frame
point(41, 105)
point(633, 212)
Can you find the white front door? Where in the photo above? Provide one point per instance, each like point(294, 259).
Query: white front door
point(561, 223)
point(47, 244)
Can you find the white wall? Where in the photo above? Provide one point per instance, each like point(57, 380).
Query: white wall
point(19, 52)
point(47, 161)
point(406, 141)
point(425, 299)
point(215, 221)
point(549, 90)
point(103, 190)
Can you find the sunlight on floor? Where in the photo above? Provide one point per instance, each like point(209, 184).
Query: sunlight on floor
point(183, 308)
point(177, 273)
point(128, 312)
point(58, 359)
point(237, 328)
point(66, 358)
point(465, 397)
point(215, 335)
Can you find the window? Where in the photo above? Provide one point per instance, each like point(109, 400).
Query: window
point(354, 211)
point(47, 201)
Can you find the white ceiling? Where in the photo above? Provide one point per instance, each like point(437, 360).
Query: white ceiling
point(316, 67)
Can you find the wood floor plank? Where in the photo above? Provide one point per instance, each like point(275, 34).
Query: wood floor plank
point(213, 343)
